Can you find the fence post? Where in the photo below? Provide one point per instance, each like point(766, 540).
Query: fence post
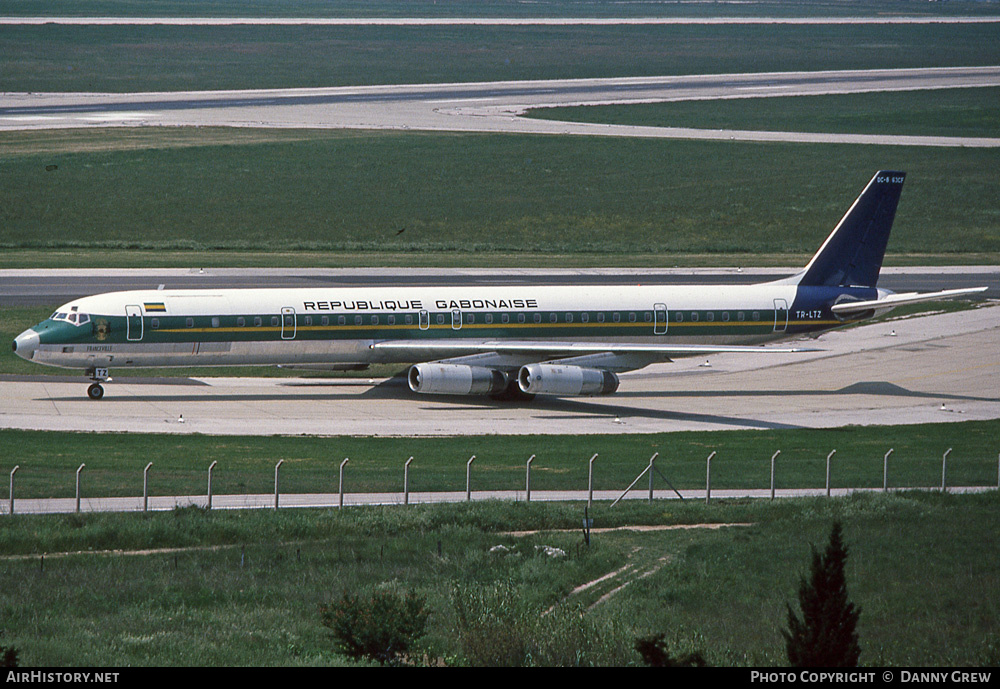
point(590, 482)
point(527, 479)
point(468, 478)
point(832, 453)
point(340, 485)
point(885, 471)
point(78, 486)
point(651, 460)
point(12, 487)
point(773, 457)
point(944, 467)
point(210, 468)
point(708, 477)
point(276, 468)
point(406, 481)
point(145, 488)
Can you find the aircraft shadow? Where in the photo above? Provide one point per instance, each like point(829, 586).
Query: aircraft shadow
point(549, 407)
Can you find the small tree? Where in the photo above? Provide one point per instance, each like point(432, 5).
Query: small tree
point(382, 626)
point(826, 634)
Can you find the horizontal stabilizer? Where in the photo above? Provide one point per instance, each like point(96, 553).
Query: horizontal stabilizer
point(900, 299)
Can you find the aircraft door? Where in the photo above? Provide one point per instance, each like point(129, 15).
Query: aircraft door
point(780, 315)
point(133, 323)
point(659, 319)
point(288, 325)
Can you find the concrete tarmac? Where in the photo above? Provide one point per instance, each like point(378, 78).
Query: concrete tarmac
point(943, 367)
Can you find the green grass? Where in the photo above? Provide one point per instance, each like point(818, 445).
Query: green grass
point(477, 8)
point(947, 112)
point(406, 193)
point(115, 462)
point(157, 58)
point(246, 588)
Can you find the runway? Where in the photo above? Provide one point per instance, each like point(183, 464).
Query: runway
point(494, 107)
point(934, 368)
point(29, 287)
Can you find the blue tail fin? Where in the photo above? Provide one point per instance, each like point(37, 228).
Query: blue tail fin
point(852, 254)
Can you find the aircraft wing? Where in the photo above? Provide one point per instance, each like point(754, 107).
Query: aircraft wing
point(555, 349)
point(901, 299)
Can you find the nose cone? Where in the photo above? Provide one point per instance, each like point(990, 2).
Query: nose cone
point(25, 344)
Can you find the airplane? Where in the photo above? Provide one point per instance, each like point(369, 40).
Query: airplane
point(507, 342)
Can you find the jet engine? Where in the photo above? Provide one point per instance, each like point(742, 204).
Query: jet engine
point(456, 379)
point(556, 379)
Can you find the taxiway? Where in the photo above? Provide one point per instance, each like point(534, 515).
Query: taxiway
point(492, 107)
point(942, 367)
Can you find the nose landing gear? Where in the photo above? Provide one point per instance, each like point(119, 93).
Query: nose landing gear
point(98, 375)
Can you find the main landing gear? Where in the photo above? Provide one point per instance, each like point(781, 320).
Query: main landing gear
point(98, 375)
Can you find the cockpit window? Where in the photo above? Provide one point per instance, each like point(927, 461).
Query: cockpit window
point(74, 318)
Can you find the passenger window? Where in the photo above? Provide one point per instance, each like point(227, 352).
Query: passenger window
point(440, 319)
point(374, 320)
point(648, 317)
point(553, 318)
point(257, 321)
point(756, 315)
point(631, 318)
point(725, 316)
point(241, 321)
point(341, 320)
point(679, 317)
point(600, 318)
point(616, 317)
point(740, 316)
point(155, 323)
point(505, 318)
point(357, 320)
point(470, 318)
point(710, 316)
point(215, 321)
point(308, 320)
point(489, 318)
point(520, 318)
point(274, 321)
point(538, 318)
point(189, 322)
point(585, 318)
point(391, 320)
point(694, 316)
point(409, 319)
point(569, 318)
point(324, 320)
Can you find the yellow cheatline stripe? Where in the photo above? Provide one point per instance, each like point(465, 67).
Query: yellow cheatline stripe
point(474, 326)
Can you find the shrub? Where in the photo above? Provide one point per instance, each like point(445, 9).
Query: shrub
point(381, 626)
point(655, 653)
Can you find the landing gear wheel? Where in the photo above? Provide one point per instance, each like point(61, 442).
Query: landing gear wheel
point(95, 391)
point(513, 393)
